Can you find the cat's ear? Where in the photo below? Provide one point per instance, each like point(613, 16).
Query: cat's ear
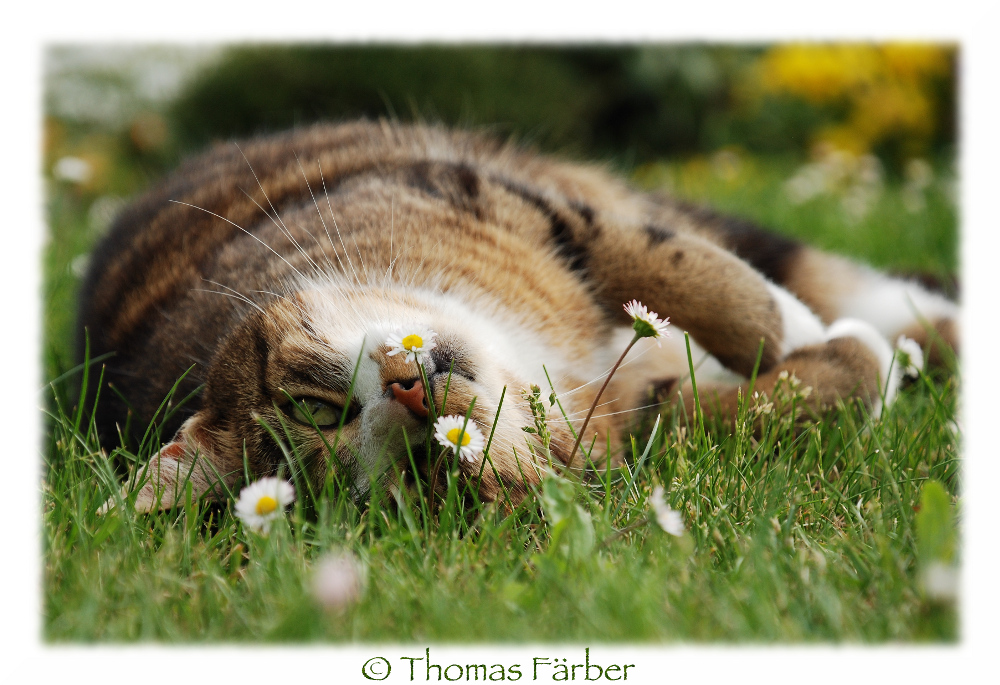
point(190, 459)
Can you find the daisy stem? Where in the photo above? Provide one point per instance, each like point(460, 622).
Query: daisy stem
point(431, 409)
point(429, 441)
point(597, 399)
point(699, 419)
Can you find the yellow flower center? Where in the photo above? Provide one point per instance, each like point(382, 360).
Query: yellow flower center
point(413, 341)
point(266, 504)
point(453, 437)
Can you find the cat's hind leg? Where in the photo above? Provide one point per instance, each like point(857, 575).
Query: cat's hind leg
point(835, 287)
point(853, 361)
point(832, 286)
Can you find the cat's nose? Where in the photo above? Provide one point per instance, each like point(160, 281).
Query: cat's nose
point(413, 398)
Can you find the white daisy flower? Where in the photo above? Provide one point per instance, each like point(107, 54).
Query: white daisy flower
point(668, 519)
point(448, 431)
point(338, 580)
point(909, 356)
point(645, 323)
point(941, 582)
point(412, 341)
point(263, 501)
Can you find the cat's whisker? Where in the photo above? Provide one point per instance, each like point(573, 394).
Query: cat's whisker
point(623, 411)
point(237, 296)
point(335, 226)
point(320, 214)
point(276, 219)
point(361, 258)
point(322, 250)
point(284, 231)
point(264, 192)
point(219, 216)
point(241, 296)
point(392, 230)
point(576, 413)
point(603, 375)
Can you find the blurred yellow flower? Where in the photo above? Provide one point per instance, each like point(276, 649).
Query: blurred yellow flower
point(914, 60)
point(886, 90)
point(818, 73)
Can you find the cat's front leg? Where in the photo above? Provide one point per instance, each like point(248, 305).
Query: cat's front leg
point(188, 462)
point(726, 305)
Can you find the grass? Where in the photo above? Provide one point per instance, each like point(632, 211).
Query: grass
point(815, 534)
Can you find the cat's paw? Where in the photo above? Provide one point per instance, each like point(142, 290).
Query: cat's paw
point(939, 339)
point(147, 499)
point(874, 342)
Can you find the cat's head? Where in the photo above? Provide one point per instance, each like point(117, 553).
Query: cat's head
point(310, 377)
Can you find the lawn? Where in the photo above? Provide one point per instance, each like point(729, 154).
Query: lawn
point(830, 532)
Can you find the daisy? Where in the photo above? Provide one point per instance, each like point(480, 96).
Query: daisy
point(668, 519)
point(263, 501)
point(645, 323)
point(909, 356)
point(941, 582)
point(413, 341)
point(448, 431)
point(338, 581)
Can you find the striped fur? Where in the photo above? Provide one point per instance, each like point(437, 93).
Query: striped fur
point(269, 268)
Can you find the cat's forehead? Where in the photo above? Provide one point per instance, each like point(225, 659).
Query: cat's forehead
point(344, 317)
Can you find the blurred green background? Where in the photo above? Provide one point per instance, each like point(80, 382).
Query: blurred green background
point(632, 103)
point(849, 146)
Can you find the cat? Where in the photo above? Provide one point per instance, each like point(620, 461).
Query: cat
point(276, 269)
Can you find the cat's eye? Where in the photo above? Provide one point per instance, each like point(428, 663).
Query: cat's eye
point(309, 411)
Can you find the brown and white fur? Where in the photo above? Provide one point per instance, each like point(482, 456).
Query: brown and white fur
point(269, 267)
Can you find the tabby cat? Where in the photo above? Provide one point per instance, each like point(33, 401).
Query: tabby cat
point(277, 268)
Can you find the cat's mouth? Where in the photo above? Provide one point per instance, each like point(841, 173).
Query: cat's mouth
point(420, 476)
